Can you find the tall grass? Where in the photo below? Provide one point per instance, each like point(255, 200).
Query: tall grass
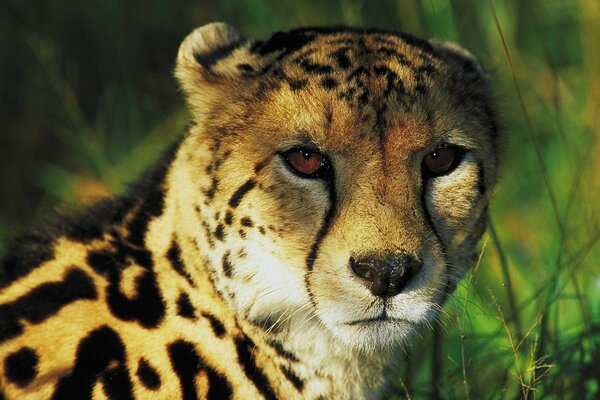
point(87, 102)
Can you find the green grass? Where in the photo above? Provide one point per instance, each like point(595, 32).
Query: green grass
point(87, 102)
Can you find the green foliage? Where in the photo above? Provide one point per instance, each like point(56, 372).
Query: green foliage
point(87, 102)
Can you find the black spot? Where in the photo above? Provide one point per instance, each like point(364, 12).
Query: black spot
point(187, 365)
point(226, 153)
point(329, 83)
point(174, 257)
point(242, 253)
point(247, 359)
point(346, 94)
point(227, 266)
point(214, 185)
point(297, 84)
point(100, 356)
point(328, 117)
point(393, 82)
point(228, 217)
point(292, 377)
point(219, 233)
point(342, 58)
point(278, 347)
point(208, 234)
point(261, 229)
point(216, 325)
point(246, 221)
point(20, 367)
point(117, 383)
point(357, 73)
point(44, 301)
point(147, 306)
point(242, 233)
point(312, 67)
point(185, 308)
point(239, 194)
point(211, 57)
point(148, 375)
point(268, 322)
point(380, 70)
point(245, 67)
point(277, 73)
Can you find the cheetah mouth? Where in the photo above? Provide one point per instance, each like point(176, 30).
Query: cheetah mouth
point(380, 319)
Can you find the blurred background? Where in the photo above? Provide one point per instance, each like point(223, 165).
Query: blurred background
point(87, 101)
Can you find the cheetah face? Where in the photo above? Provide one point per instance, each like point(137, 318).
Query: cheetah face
point(347, 175)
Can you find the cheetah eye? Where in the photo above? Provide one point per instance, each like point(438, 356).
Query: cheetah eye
point(442, 161)
point(307, 163)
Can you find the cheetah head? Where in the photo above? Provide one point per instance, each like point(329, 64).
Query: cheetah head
point(338, 177)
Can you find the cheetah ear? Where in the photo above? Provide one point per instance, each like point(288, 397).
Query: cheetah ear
point(460, 56)
point(209, 58)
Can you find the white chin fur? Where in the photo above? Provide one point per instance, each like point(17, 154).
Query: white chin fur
point(375, 336)
point(363, 333)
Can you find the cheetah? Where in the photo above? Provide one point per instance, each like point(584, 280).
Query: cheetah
point(329, 193)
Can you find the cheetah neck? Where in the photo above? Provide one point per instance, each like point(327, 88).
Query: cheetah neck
point(330, 366)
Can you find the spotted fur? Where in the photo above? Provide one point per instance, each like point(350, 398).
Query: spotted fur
point(224, 274)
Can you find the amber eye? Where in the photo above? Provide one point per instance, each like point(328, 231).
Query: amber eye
point(442, 161)
point(307, 163)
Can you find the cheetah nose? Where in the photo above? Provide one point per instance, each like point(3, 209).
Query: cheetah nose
point(385, 276)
